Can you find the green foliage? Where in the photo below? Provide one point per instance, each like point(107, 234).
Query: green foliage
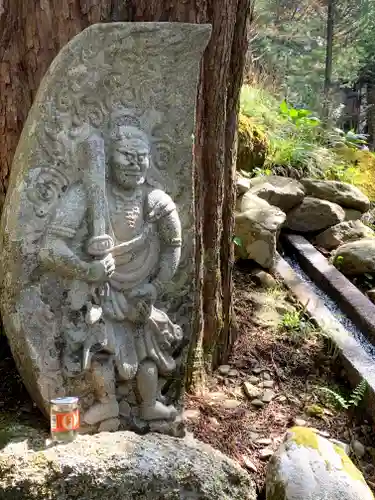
point(340, 401)
point(297, 144)
point(291, 46)
point(297, 325)
point(291, 321)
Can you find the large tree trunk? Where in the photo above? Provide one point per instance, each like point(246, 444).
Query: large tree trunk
point(31, 34)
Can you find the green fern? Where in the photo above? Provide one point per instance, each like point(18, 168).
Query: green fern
point(335, 397)
point(355, 398)
point(358, 394)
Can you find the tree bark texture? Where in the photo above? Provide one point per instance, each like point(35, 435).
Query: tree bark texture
point(31, 34)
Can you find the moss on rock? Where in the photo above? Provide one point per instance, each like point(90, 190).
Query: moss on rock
point(124, 465)
point(309, 467)
point(252, 145)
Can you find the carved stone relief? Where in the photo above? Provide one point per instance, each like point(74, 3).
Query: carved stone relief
point(97, 231)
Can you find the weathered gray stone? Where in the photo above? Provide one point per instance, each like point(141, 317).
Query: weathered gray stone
point(342, 233)
point(123, 466)
point(351, 214)
point(242, 184)
point(314, 214)
point(343, 194)
point(309, 467)
point(356, 257)
point(263, 279)
point(251, 391)
point(97, 232)
point(280, 192)
point(258, 227)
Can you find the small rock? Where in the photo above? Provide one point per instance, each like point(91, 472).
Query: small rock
point(253, 436)
point(358, 448)
point(265, 453)
point(268, 396)
point(231, 404)
point(216, 396)
point(249, 464)
point(253, 380)
point(191, 414)
point(224, 369)
point(300, 422)
point(110, 425)
point(233, 373)
point(263, 279)
point(266, 376)
point(268, 384)
point(282, 399)
point(258, 403)
point(264, 441)
point(256, 370)
point(214, 422)
point(251, 391)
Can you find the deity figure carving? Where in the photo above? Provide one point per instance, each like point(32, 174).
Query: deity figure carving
point(97, 235)
point(118, 240)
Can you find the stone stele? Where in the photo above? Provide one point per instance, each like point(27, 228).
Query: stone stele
point(97, 247)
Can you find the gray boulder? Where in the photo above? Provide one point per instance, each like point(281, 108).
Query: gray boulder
point(242, 184)
point(351, 214)
point(258, 228)
point(344, 232)
point(356, 257)
point(279, 191)
point(314, 214)
point(309, 467)
point(123, 466)
point(343, 194)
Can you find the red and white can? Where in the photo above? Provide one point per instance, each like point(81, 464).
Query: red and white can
point(65, 420)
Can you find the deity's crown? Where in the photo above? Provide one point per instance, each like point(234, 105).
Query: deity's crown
point(124, 124)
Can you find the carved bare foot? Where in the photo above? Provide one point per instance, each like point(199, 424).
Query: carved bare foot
point(158, 412)
point(101, 411)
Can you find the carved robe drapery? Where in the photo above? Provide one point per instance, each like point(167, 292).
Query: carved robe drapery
point(143, 227)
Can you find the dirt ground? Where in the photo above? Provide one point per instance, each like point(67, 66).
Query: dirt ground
point(224, 417)
point(298, 367)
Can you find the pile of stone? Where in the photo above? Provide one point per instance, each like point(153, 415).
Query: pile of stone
point(328, 211)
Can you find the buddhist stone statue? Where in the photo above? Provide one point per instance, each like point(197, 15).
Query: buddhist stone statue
point(97, 232)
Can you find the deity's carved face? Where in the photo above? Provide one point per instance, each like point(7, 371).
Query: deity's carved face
point(130, 157)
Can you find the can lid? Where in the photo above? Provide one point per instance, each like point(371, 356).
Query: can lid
point(64, 401)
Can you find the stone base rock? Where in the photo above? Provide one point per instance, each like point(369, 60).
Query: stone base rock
point(280, 192)
point(309, 467)
point(123, 466)
point(356, 257)
point(313, 215)
point(342, 233)
point(343, 194)
point(258, 227)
